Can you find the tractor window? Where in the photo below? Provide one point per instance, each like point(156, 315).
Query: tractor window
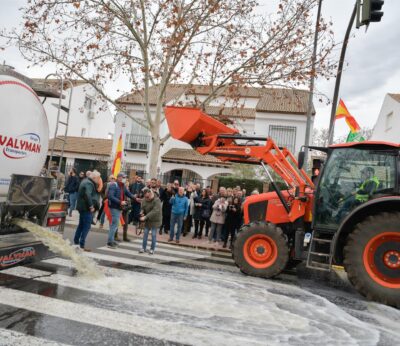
point(352, 177)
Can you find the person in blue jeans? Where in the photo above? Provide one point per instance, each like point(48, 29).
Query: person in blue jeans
point(72, 187)
point(87, 203)
point(151, 215)
point(179, 212)
point(116, 201)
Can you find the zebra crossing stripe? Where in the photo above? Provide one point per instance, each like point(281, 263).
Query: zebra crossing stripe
point(54, 330)
point(159, 258)
point(213, 253)
point(178, 252)
point(134, 251)
point(99, 317)
point(147, 289)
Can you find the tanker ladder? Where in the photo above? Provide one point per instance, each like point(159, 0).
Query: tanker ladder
point(61, 121)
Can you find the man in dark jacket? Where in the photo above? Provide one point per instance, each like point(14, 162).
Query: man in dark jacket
point(87, 203)
point(151, 216)
point(136, 190)
point(72, 187)
point(116, 202)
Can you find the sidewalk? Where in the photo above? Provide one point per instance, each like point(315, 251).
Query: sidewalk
point(187, 241)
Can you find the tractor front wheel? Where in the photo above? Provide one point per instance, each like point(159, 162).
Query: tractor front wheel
point(372, 258)
point(261, 250)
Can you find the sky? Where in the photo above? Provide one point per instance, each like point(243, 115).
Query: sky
point(372, 69)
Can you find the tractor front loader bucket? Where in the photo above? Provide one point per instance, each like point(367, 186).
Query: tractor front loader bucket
point(190, 124)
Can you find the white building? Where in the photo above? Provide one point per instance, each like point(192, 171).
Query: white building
point(90, 128)
point(276, 113)
point(388, 124)
point(90, 116)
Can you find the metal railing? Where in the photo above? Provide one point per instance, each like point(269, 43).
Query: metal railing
point(137, 142)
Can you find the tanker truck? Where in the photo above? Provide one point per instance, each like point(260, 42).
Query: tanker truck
point(24, 140)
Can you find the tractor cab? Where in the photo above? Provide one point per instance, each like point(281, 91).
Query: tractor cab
point(354, 174)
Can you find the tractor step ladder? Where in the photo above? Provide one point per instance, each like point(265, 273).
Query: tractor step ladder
point(63, 115)
point(320, 253)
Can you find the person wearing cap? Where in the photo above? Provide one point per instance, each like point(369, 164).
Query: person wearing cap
point(364, 192)
point(151, 216)
point(116, 201)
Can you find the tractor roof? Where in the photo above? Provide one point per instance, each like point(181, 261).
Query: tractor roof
point(366, 143)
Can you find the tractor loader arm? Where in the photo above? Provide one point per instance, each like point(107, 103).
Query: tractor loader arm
point(209, 136)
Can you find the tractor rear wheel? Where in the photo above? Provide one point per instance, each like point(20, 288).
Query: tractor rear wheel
point(372, 258)
point(261, 250)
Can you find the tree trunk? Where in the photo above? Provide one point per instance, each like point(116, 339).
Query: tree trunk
point(155, 150)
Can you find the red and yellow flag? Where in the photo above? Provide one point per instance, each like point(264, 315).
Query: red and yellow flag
point(116, 167)
point(343, 112)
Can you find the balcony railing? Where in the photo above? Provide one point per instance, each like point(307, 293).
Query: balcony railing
point(137, 142)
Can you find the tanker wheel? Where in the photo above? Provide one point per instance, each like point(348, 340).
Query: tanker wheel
point(261, 250)
point(372, 258)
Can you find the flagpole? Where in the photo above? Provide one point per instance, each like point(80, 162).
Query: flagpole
point(339, 75)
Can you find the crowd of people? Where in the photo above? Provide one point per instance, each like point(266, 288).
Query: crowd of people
point(190, 210)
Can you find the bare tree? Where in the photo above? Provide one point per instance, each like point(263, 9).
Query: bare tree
point(221, 43)
point(320, 136)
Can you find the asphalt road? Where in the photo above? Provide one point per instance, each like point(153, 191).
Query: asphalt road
point(181, 296)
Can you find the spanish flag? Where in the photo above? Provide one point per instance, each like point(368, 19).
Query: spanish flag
point(116, 167)
point(343, 112)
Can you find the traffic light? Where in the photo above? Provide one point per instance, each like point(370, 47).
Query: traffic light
point(370, 11)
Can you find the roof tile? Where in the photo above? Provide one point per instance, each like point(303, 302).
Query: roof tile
point(396, 97)
point(84, 145)
point(273, 100)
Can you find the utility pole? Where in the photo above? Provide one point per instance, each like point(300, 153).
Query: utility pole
point(339, 75)
point(312, 81)
point(367, 11)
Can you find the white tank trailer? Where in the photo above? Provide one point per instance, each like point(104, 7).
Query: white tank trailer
point(24, 140)
point(24, 132)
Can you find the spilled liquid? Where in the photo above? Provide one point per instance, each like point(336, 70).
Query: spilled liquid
point(54, 241)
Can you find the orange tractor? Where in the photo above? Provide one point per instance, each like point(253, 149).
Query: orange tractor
point(350, 218)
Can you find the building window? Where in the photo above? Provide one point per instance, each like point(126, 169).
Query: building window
point(83, 132)
point(88, 103)
point(284, 136)
point(140, 169)
point(137, 142)
point(389, 121)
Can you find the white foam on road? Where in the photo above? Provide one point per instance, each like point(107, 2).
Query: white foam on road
point(160, 329)
point(11, 337)
point(208, 312)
